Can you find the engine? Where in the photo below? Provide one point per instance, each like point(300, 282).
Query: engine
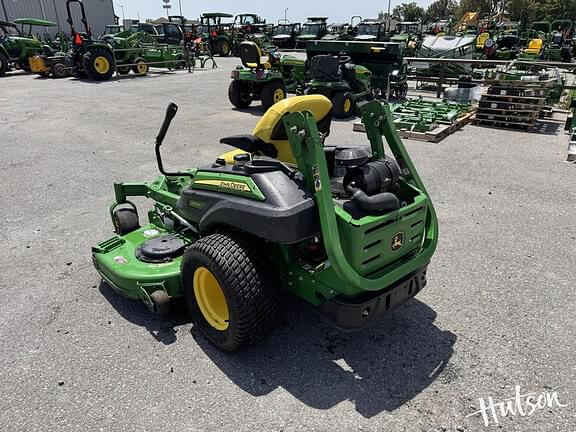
point(371, 184)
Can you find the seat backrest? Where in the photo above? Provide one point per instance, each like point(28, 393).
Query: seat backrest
point(535, 44)
point(481, 40)
point(270, 128)
point(250, 55)
point(325, 68)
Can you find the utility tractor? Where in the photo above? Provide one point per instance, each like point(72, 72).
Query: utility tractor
point(17, 46)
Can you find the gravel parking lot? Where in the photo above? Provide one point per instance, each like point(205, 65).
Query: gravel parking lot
point(498, 310)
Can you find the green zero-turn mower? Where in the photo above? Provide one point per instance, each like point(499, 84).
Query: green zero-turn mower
point(349, 230)
point(268, 81)
point(343, 82)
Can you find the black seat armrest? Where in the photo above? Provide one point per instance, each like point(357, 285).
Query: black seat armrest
point(250, 144)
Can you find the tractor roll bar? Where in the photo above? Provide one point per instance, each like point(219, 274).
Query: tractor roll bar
point(84, 19)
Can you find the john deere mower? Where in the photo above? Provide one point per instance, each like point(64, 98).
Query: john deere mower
point(343, 82)
point(268, 81)
point(349, 230)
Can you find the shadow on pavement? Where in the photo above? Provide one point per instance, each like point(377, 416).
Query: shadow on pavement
point(162, 329)
point(378, 369)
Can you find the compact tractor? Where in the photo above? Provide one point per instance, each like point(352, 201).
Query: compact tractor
point(371, 30)
point(351, 230)
point(268, 80)
point(410, 34)
point(286, 34)
point(249, 27)
point(17, 47)
point(313, 29)
point(88, 57)
point(218, 35)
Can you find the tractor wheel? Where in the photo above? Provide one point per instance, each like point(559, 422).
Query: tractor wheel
point(231, 290)
point(125, 220)
point(59, 71)
point(239, 95)
point(223, 48)
point(402, 91)
point(273, 92)
point(98, 64)
point(343, 105)
point(25, 65)
point(4, 64)
point(160, 302)
point(123, 70)
point(141, 66)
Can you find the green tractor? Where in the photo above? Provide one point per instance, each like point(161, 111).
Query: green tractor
point(351, 230)
point(286, 34)
point(87, 57)
point(252, 28)
point(218, 34)
point(341, 81)
point(313, 29)
point(408, 33)
point(268, 81)
point(17, 47)
point(371, 30)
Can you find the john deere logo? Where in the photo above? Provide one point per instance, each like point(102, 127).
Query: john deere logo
point(397, 242)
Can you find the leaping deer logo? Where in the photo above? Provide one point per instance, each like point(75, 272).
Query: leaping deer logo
point(397, 242)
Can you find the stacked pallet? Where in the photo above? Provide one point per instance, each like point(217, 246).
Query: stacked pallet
point(512, 103)
point(425, 120)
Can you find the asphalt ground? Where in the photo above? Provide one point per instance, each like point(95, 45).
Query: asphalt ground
point(498, 310)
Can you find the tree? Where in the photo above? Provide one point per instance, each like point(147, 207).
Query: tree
point(408, 12)
point(441, 9)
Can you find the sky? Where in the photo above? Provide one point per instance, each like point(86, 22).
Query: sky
point(271, 10)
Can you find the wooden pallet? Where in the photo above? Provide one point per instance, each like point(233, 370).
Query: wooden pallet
point(435, 135)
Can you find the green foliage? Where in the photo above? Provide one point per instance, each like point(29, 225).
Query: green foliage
point(441, 9)
point(408, 12)
point(526, 11)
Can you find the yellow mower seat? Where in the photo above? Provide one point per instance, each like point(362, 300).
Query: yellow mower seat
point(251, 56)
point(270, 129)
point(534, 47)
point(481, 40)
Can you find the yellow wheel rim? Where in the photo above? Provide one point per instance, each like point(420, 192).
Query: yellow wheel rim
point(210, 299)
point(142, 68)
point(225, 48)
point(279, 95)
point(101, 65)
point(347, 105)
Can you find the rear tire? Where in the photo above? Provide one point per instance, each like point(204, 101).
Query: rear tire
point(98, 64)
point(125, 220)
point(232, 293)
point(223, 48)
point(239, 95)
point(273, 92)
point(343, 105)
point(4, 64)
